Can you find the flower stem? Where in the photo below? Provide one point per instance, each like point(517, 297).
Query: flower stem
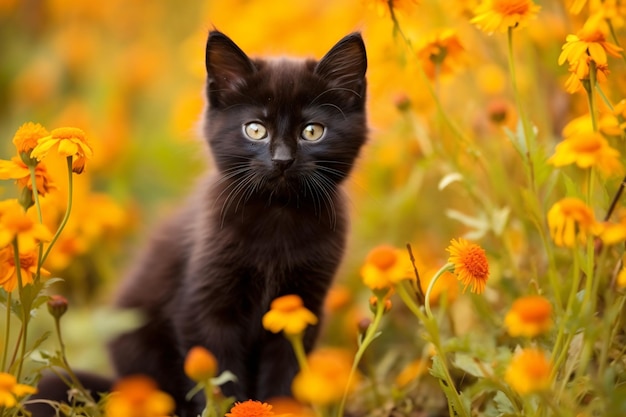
point(67, 211)
point(298, 349)
point(447, 267)
point(25, 305)
point(7, 333)
point(33, 180)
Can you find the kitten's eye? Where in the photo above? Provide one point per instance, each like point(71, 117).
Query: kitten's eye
point(312, 132)
point(255, 130)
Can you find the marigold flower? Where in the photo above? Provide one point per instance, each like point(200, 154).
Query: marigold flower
point(500, 15)
point(338, 297)
point(15, 222)
point(528, 372)
point(28, 268)
point(580, 71)
point(16, 169)
point(385, 266)
point(288, 314)
point(470, 264)
point(27, 135)
point(587, 149)
point(529, 316)
point(10, 390)
point(570, 219)
point(250, 408)
point(67, 141)
point(138, 396)
point(289, 407)
point(200, 364)
point(589, 41)
point(612, 233)
point(614, 124)
point(441, 53)
point(325, 379)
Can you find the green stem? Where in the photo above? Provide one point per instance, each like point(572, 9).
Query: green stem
point(590, 96)
point(298, 349)
point(25, 305)
point(7, 333)
point(33, 180)
point(615, 38)
point(370, 334)
point(447, 267)
point(209, 410)
point(67, 211)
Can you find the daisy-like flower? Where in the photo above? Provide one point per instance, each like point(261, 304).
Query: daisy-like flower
point(10, 390)
point(589, 41)
point(15, 222)
point(324, 381)
point(441, 53)
point(580, 71)
point(251, 408)
point(27, 135)
point(67, 141)
point(385, 266)
point(587, 149)
point(529, 316)
point(288, 314)
point(529, 371)
point(16, 169)
point(614, 124)
point(200, 364)
point(570, 220)
point(470, 264)
point(500, 15)
point(138, 396)
point(613, 233)
point(28, 268)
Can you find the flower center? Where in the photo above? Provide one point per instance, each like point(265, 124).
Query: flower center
point(533, 309)
point(511, 7)
point(383, 257)
point(475, 262)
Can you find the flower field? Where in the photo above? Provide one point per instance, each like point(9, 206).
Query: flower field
point(484, 274)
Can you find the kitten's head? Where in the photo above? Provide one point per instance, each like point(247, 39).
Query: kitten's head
point(285, 128)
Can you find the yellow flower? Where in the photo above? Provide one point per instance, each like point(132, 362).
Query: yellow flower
point(621, 279)
point(529, 316)
point(441, 53)
point(411, 372)
point(499, 15)
point(28, 268)
point(528, 372)
point(385, 266)
point(580, 72)
point(587, 149)
point(200, 364)
point(289, 407)
point(613, 233)
point(614, 124)
point(338, 297)
point(27, 135)
point(15, 222)
point(251, 408)
point(138, 396)
point(16, 169)
point(68, 142)
point(325, 379)
point(10, 390)
point(589, 41)
point(568, 219)
point(288, 314)
point(470, 264)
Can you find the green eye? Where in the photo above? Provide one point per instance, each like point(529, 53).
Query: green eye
point(312, 132)
point(255, 131)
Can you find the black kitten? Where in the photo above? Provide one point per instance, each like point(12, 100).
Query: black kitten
point(284, 135)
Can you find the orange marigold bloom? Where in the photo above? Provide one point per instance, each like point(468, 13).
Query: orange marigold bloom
point(500, 15)
point(580, 71)
point(67, 141)
point(138, 396)
point(288, 314)
point(441, 53)
point(589, 41)
point(15, 222)
point(250, 408)
point(529, 371)
point(27, 135)
point(325, 379)
point(570, 219)
point(529, 316)
point(200, 364)
point(587, 149)
point(16, 169)
point(28, 268)
point(470, 264)
point(10, 390)
point(385, 266)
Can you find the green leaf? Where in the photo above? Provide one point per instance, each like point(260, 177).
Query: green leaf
point(449, 179)
point(457, 402)
point(223, 378)
point(469, 364)
point(503, 404)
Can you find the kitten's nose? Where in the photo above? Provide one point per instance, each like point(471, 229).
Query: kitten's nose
point(282, 164)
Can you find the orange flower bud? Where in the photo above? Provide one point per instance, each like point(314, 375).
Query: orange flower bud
point(200, 364)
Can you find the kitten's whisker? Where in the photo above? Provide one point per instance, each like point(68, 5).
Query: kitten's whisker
point(334, 89)
point(336, 107)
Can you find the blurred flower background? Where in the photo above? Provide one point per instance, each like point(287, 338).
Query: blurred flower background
point(460, 145)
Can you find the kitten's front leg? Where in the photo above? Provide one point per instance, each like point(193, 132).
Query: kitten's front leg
point(277, 367)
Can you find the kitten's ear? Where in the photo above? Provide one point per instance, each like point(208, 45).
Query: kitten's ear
point(345, 64)
point(226, 65)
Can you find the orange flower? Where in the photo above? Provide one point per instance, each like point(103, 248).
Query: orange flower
point(385, 266)
point(27, 135)
point(529, 316)
point(470, 264)
point(589, 41)
point(338, 297)
point(251, 408)
point(568, 219)
point(529, 371)
point(28, 268)
point(441, 53)
point(138, 396)
point(288, 314)
point(68, 142)
point(15, 222)
point(500, 15)
point(580, 72)
point(411, 372)
point(10, 390)
point(16, 169)
point(200, 364)
point(587, 149)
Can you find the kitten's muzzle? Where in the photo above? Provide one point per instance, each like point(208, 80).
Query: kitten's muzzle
point(282, 164)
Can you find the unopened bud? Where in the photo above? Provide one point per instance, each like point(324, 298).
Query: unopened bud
point(26, 198)
point(363, 325)
point(200, 364)
point(374, 304)
point(57, 306)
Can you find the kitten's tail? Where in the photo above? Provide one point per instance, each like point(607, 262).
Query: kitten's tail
point(52, 388)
